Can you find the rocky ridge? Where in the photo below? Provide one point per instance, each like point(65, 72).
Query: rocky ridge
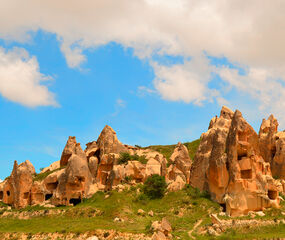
point(233, 163)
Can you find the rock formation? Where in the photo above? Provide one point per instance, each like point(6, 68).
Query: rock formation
point(229, 165)
point(232, 163)
point(272, 146)
point(17, 188)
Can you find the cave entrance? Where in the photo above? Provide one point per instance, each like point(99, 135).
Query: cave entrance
point(8, 193)
point(48, 196)
point(224, 206)
point(97, 154)
point(241, 155)
point(246, 174)
point(1, 195)
point(74, 201)
point(272, 194)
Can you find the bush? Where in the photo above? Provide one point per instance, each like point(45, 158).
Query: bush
point(125, 157)
point(196, 193)
point(154, 186)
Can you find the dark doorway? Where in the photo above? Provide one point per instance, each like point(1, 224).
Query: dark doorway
point(272, 194)
point(8, 193)
point(48, 196)
point(1, 195)
point(224, 206)
point(74, 201)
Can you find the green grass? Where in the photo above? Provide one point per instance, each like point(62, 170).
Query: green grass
point(167, 150)
point(194, 205)
point(42, 176)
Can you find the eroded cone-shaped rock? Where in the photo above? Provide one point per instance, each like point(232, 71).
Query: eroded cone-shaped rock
point(272, 146)
point(251, 186)
point(74, 183)
point(267, 131)
point(71, 147)
point(211, 151)
point(229, 165)
point(17, 188)
point(181, 160)
point(108, 142)
point(278, 156)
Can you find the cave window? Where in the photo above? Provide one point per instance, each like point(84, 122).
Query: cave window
point(26, 195)
point(8, 193)
point(246, 174)
point(97, 154)
point(1, 195)
point(272, 194)
point(74, 201)
point(48, 196)
point(81, 179)
point(241, 155)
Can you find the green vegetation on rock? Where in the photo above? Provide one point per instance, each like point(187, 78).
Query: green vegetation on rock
point(167, 150)
point(125, 157)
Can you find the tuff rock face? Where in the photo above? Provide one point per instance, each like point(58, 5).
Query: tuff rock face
point(232, 163)
point(229, 165)
point(16, 190)
point(272, 146)
point(211, 151)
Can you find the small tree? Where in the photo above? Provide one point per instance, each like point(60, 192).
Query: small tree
point(154, 186)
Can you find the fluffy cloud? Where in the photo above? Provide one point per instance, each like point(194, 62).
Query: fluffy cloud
point(20, 79)
point(248, 33)
point(184, 82)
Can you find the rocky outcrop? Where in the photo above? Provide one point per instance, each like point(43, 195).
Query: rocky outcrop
point(272, 146)
point(108, 142)
point(17, 188)
point(181, 162)
point(211, 151)
point(229, 165)
point(71, 147)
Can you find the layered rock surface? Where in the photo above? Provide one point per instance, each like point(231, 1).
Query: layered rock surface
point(229, 165)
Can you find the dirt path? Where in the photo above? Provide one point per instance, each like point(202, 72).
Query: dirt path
point(195, 226)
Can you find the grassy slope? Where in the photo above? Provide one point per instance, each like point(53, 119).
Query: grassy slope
point(125, 205)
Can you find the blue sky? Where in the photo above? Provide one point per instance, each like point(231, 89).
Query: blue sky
point(68, 70)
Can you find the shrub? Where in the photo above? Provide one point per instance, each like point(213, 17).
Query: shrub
point(196, 193)
point(154, 186)
point(124, 158)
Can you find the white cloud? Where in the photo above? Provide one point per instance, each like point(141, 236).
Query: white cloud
point(20, 79)
point(184, 82)
point(248, 33)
